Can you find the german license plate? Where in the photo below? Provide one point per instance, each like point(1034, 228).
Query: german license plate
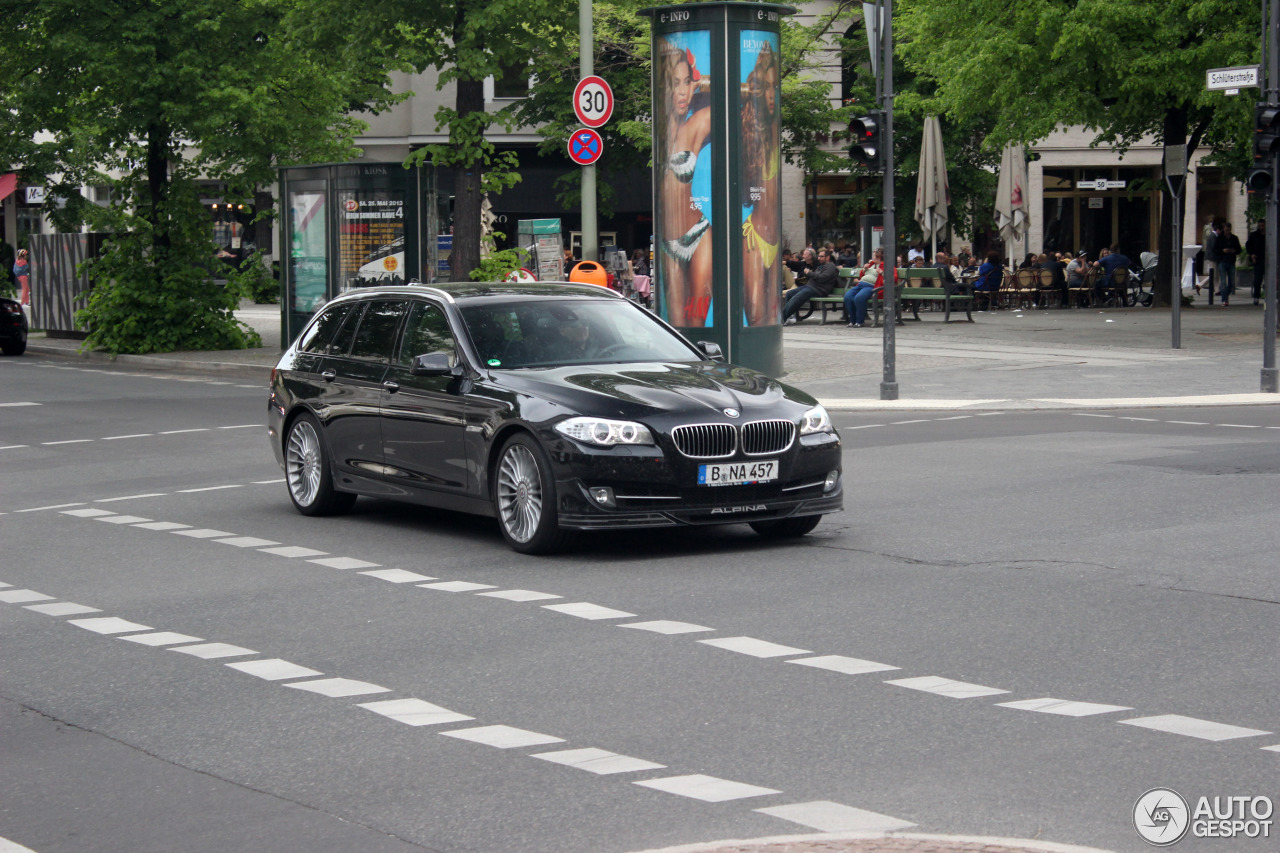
point(738, 473)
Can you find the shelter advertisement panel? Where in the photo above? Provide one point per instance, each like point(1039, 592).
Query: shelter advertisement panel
point(759, 181)
point(308, 258)
point(685, 162)
point(371, 229)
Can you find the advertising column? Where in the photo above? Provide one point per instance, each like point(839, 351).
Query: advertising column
point(717, 163)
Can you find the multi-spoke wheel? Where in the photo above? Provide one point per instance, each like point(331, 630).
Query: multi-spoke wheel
point(786, 528)
point(307, 472)
point(524, 497)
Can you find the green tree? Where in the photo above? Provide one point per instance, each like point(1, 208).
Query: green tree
point(1126, 69)
point(149, 97)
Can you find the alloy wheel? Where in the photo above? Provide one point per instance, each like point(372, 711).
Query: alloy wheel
point(302, 463)
point(519, 493)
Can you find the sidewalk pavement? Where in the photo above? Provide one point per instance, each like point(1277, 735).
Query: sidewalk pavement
point(1009, 359)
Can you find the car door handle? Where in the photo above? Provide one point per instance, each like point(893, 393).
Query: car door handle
point(329, 375)
point(391, 386)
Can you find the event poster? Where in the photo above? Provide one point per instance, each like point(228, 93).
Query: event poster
point(371, 232)
point(684, 161)
point(308, 254)
point(759, 167)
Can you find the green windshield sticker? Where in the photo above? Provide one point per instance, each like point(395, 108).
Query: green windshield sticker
point(493, 362)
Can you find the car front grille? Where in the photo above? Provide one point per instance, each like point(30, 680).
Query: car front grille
point(763, 437)
point(706, 441)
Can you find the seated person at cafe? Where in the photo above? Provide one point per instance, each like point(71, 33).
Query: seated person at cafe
point(989, 274)
point(1109, 260)
point(1058, 271)
point(823, 276)
point(858, 295)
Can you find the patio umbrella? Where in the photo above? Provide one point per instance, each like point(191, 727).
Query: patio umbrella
point(933, 195)
point(1012, 215)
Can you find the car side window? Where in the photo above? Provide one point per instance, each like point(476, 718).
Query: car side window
point(316, 338)
point(426, 331)
point(342, 341)
point(376, 337)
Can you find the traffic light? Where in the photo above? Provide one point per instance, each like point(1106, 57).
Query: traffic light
point(865, 136)
point(1266, 141)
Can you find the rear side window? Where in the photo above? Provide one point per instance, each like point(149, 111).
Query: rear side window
point(376, 337)
point(342, 341)
point(426, 331)
point(318, 334)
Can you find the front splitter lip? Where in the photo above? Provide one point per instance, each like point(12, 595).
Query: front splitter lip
point(764, 510)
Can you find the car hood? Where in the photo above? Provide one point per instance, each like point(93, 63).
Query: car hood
point(646, 389)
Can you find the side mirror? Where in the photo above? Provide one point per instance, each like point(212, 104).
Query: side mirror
point(435, 364)
point(711, 350)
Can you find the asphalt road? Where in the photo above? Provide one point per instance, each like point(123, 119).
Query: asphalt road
point(1123, 559)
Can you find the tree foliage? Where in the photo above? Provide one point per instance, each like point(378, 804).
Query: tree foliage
point(148, 97)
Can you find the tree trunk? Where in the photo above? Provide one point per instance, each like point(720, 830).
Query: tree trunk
point(467, 197)
point(1169, 268)
point(158, 140)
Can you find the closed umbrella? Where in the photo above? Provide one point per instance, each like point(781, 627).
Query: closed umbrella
point(1013, 218)
point(933, 194)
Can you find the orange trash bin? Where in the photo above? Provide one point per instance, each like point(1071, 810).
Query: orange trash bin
point(589, 272)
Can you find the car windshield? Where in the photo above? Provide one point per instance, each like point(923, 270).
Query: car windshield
point(551, 333)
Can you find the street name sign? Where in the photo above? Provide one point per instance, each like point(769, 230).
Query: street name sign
point(1226, 79)
point(593, 101)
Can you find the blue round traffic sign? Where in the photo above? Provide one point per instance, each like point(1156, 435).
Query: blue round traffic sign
point(585, 146)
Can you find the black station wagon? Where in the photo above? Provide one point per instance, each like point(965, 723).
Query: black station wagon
point(552, 407)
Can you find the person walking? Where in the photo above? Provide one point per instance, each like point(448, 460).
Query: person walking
point(22, 272)
point(1228, 246)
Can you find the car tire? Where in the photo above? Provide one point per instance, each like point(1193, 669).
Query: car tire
point(308, 472)
point(786, 528)
point(17, 347)
point(524, 498)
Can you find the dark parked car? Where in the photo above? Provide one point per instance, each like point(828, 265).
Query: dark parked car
point(13, 327)
point(553, 407)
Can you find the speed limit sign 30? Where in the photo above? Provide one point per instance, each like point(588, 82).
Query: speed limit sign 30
point(593, 101)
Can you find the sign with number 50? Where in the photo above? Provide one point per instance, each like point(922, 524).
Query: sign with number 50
point(593, 101)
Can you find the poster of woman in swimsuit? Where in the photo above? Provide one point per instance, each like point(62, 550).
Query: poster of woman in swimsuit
point(759, 167)
point(683, 161)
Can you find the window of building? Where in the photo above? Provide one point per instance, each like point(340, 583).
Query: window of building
point(512, 82)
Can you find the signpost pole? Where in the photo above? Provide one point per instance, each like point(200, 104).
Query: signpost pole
point(889, 384)
point(1270, 381)
point(586, 68)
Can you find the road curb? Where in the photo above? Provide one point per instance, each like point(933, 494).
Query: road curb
point(877, 842)
point(152, 362)
point(1052, 404)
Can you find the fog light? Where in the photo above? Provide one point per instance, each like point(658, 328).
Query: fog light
point(603, 496)
point(829, 484)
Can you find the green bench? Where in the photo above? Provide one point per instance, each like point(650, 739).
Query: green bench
point(835, 302)
point(926, 284)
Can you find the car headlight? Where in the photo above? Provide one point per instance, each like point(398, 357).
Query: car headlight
point(603, 432)
point(815, 420)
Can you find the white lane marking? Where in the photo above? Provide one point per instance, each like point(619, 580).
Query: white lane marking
point(755, 648)
point(667, 626)
point(502, 737)
point(68, 441)
point(108, 625)
point(4, 585)
point(1090, 415)
point(598, 761)
point(864, 426)
point(1240, 426)
point(587, 610)
point(826, 816)
point(243, 426)
point(247, 542)
point(162, 638)
point(163, 525)
point(181, 431)
point(1063, 707)
point(268, 482)
point(955, 418)
point(203, 533)
point(211, 651)
point(344, 563)
point(706, 788)
point(903, 423)
point(129, 498)
point(520, 595)
point(7, 846)
point(254, 387)
point(54, 506)
point(1189, 423)
point(397, 575)
point(1275, 748)
point(15, 405)
point(456, 586)
point(846, 665)
point(63, 608)
point(414, 712)
point(294, 551)
point(946, 687)
point(1191, 727)
point(214, 382)
point(13, 446)
point(88, 513)
point(337, 688)
point(22, 596)
point(207, 489)
point(1148, 420)
point(135, 435)
point(122, 519)
point(274, 669)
